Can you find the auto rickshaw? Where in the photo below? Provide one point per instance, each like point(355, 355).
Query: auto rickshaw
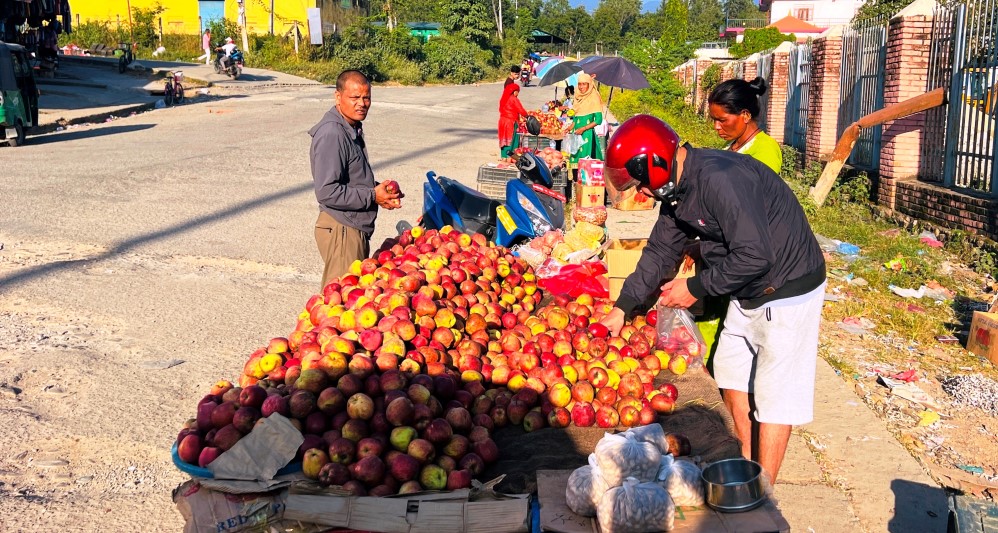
point(18, 94)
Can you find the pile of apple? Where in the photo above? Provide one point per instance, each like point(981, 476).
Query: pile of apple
point(550, 124)
point(399, 373)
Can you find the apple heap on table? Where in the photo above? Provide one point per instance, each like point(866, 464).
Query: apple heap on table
point(400, 371)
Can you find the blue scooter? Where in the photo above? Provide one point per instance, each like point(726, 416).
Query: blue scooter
point(530, 209)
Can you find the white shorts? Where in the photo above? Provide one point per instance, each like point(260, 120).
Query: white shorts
point(771, 352)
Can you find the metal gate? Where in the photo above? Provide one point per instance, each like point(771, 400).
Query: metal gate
point(970, 137)
point(799, 85)
point(864, 60)
point(764, 66)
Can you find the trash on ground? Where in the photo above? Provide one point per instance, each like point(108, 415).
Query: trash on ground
point(907, 376)
point(893, 232)
point(856, 325)
point(929, 239)
point(947, 339)
point(973, 390)
point(859, 282)
point(907, 293)
point(907, 391)
point(846, 248)
point(897, 264)
point(911, 308)
point(973, 469)
point(927, 418)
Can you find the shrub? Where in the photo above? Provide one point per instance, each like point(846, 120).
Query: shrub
point(398, 42)
point(90, 33)
point(399, 69)
point(144, 25)
point(222, 28)
point(454, 59)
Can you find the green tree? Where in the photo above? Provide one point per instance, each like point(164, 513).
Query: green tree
point(657, 59)
point(875, 9)
point(575, 25)
point(471, 19)
point(647, 26)
point(675, 26)
point(144, 27)
point(705, 20)
point(744, 11)
point(613, 20)
point(757, 40)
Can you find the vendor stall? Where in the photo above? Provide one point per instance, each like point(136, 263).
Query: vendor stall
point(434, 386)
point(36, 25)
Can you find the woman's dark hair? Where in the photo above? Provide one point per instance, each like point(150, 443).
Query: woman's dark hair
point(569, 91)
point(736, 96)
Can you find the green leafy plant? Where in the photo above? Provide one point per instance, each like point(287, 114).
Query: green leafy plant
point(144, 25)
point(759, 39)
point(710, 77)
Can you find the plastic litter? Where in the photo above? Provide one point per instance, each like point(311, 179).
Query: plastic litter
point(846, 248)
point(927, 418)
point(929, 239)
point(973, 469)
point(907, 293)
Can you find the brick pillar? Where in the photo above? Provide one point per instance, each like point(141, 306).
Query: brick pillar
point(823, 112)
point(777, 112)
point(751, 70)
point(909, 38)
point(700, 99)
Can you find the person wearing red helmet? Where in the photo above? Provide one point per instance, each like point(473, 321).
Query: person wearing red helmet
point(759, 250)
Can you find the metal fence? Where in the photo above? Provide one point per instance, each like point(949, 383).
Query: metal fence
point(970, 45)
point(933, 147)
point(764, 67)
point(864, 60)
point(799, 85)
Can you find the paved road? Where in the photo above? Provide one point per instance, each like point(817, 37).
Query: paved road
point(185, 234)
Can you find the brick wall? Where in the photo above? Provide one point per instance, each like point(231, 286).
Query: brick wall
point(777, 112)
point(908, 43)
point(823, 112)
point(946, 208)
point(751, 68)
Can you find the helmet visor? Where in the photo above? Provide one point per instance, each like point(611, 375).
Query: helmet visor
point(620, 178)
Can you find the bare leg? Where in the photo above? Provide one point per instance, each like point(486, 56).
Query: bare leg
point(738, 404)
point(773, 440)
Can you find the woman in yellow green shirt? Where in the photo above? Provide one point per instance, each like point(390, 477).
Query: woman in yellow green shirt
point(734, 108)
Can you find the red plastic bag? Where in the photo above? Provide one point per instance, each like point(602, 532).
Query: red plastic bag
point(574, 280)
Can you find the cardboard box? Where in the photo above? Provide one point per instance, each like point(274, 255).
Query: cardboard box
point(629, 200)
point(983, 339)
point(556, 516)
point(622, 256)
point(591, 172)
point(616, 284)
point(429, 512)
point(589, 196)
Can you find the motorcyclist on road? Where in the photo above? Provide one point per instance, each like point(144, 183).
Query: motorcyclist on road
point(227, 49)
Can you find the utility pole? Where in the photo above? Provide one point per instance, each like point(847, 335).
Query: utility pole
point(242, 24)
point(131, 32)
point(271, 18)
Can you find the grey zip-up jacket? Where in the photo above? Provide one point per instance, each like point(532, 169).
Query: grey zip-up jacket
point(344, 181)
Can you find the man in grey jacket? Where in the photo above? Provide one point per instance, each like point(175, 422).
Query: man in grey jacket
point(345, 188)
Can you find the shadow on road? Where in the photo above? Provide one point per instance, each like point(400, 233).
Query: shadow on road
point(239, 209)
point(87, 133)
point(917, 507)
point(470, 131)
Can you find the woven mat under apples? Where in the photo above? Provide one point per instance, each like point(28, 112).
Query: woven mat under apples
point(700, 415)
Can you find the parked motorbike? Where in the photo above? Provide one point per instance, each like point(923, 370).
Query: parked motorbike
point(233, 66)
point(531, 207)
point(525, 77)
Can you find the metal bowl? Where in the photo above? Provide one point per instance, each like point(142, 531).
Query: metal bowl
point(734, 485)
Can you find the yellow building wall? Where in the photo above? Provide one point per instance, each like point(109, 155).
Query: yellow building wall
point(182, 16)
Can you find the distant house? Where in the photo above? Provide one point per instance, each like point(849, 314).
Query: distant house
point(821, 13)
point(793, 25)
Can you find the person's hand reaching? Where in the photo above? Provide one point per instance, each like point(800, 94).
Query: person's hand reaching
point(614, 321)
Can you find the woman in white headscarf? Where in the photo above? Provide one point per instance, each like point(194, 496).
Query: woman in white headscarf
point(588, 106)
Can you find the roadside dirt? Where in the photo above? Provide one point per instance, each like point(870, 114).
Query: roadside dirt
point(956, 444)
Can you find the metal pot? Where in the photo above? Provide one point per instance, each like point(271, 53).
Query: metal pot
point(734, 485)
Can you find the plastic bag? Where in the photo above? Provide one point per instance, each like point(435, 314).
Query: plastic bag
point(678, 335)
point(636, 507)
point(571, 143)
point(622, 456)
point(682, 480)
point(573, 280)
point(586, 487)
point(652, 433)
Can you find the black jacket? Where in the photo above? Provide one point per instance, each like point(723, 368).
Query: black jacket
point(343, 179)
point(755, 239)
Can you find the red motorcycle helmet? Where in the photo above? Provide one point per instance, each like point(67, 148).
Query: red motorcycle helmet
point(642, 152)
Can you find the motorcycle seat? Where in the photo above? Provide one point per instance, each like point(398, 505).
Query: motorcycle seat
point(470, 204)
